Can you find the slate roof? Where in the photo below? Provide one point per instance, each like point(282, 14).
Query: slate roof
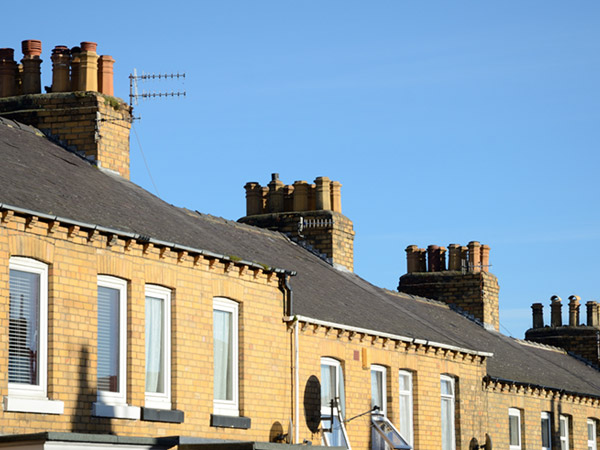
point(38, 175)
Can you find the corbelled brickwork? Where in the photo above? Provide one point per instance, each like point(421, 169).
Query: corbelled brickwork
point(88, 122)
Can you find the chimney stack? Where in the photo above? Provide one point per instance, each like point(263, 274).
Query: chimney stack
point(309, 213)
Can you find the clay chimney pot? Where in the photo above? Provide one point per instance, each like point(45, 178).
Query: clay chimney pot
point(7, 54)
point(31, 47)
point(89, 46)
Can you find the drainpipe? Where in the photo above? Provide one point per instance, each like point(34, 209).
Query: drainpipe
point(290, 312)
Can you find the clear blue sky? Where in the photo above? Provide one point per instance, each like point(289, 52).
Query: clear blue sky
point(445, 121)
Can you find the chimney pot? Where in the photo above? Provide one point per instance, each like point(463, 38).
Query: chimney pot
point(274, 176)
point(336, 196)
point(323, 195)
point(592, 314)
point(8, 73)
point(433, 262)
point(7, 54)
point(454, 257)
point(31, 47)
point(275, 195)
point(485, 258)
point(105, 75)
point(538, 315)
point(556, 311)
point(88, 46)
point(474, 256)
point(60, 69)
point(574, 310)
point(412, 258)
point(300, 196)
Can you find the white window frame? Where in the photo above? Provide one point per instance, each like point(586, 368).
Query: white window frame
point(452, 402)
point(383, 371)
point(155, 399)
point(326, 410)
point(564, 423)
point(33, 397)
point(514, 412)
point(120, 397)
point(35, 391)
point(408, 394)
point(229, 407)
point(592, 443)
point(546, 416)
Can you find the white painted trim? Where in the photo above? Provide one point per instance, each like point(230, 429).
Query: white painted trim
point(116, 411)
point(33, 405)
point(117, 398)
point(230, 407)
point(154, 399)
point(383, 371)
point(37, 391)
point(395, 337)
point(514, 412)
point(452, 398)
point(564, 423)
point(546, 416)
point(592, 443)
point(408, 393)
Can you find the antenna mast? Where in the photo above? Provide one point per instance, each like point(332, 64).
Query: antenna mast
point(133, 86)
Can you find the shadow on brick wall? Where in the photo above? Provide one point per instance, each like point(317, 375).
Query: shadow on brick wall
point(82, 420)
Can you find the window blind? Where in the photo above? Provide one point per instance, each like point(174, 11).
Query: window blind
point(108, 339)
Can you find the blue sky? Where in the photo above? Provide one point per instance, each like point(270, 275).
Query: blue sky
point(445, 122)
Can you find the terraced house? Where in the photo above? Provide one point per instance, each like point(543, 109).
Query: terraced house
point(129, 323)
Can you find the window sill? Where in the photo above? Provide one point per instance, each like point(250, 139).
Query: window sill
point(242, 423)
point(116, 411)
point(33, 405)
point(162, 415)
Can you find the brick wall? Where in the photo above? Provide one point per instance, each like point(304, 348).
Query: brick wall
point(87, 122)
point(581, 340)
point(473, 292)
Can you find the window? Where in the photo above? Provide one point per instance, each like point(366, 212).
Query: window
point(378, 389)
point(111, 374)
point(447, 394)
point(514, 428)
point(225, 343)
point(564, 432)
point(158, 347)
point(591, 433)
point(28, 338)
point(332, 403)
point(546, 431)
point(27, 327)
point(406, 405)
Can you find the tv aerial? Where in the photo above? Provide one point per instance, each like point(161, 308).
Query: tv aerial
point(135, 79)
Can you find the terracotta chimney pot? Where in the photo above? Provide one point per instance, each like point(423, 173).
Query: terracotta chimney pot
point(454, 257)
point(253, 198)
point(105, 75)
point(8, 72)
point(323, 195)
point(89, 46)
point(538, 315)
point(88, 67)
point(31, 78)
point(300, 196)
point(61, 59)
point(31, 47)
point(412, 258)
point(336, 196)
point(474, 256)
point(433, 262)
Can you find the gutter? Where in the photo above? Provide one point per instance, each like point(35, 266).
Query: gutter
point(394, 337)
point(142, 238)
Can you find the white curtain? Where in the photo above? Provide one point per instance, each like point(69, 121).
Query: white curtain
point(447, 424)
point(222, 355)
point(155, 345)
point(377, 390)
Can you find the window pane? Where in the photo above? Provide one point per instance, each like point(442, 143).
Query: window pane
point(223, 352)
point(155, 330)
point(447, 424)
point(545, 432)
point(23, 333)
point(108, 339)
point(336, 437)
point(405, 406)
point(327, 384)
point(377, 390)
point(515, 438)
point(447, 387)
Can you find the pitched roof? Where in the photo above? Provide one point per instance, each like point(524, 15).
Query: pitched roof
point(37, 175)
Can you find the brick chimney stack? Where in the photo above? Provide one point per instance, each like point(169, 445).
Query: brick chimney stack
point(467, 283)
point(309, 213)
point(90, 122)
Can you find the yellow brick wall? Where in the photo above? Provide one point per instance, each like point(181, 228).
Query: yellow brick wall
point(74, 264)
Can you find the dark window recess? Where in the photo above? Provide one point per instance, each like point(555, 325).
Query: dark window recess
point(162, 415)
point(229, 422)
